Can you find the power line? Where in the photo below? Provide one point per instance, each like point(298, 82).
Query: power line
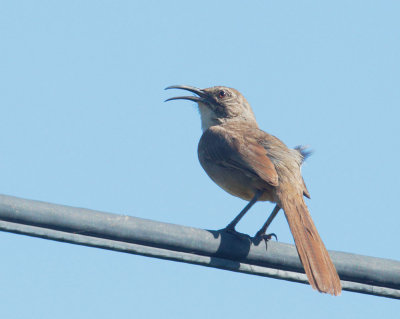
point(363, 274)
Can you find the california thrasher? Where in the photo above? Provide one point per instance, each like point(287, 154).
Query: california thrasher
point(256, 166)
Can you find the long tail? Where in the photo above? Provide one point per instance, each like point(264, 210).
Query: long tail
point(316, 261)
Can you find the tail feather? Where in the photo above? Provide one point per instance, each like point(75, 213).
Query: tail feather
point(316, 261)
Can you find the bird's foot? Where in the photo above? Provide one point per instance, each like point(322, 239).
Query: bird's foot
point(263, 236)
point(234, 232)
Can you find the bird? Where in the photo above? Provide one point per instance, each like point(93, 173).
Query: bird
point(256, 166)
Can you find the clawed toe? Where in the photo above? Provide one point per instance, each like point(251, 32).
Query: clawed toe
point(261, 236)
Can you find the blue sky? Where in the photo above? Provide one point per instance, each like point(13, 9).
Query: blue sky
point(83, 123)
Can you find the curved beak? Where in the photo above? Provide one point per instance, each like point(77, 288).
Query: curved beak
point(202, 96)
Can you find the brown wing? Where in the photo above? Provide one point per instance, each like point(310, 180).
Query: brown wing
point(230, 149)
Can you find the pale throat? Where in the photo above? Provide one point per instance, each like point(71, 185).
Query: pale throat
point(207, 116)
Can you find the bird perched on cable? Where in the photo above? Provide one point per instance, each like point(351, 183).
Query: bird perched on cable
point(256, 166)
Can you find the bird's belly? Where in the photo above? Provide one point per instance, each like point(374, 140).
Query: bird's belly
point(237, 183)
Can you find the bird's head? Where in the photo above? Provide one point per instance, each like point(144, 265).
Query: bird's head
point(218, 104)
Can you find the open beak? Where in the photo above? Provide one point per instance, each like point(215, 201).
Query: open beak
point(202, 96)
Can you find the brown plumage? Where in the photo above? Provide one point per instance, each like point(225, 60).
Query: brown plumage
point(254, 165)
point(321, 272)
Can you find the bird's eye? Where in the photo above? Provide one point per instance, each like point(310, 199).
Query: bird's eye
point(221, 94)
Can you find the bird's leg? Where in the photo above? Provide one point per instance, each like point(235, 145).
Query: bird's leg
point(263, 230)
point(231, 226)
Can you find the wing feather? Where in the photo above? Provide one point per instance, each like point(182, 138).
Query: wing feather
point(233, 151)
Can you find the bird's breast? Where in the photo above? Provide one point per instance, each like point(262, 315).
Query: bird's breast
point(214, 156)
